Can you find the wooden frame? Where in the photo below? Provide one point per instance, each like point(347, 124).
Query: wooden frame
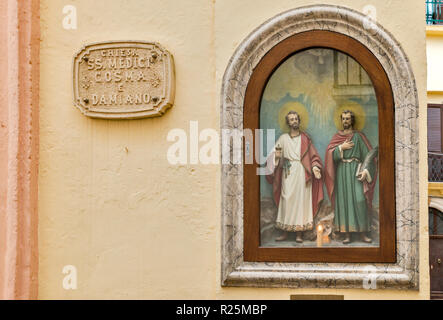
point(386, 252)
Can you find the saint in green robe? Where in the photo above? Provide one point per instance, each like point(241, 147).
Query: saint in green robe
point(350, 196)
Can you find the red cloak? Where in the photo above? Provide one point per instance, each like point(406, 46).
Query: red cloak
point(309, 159)
point(337, 139)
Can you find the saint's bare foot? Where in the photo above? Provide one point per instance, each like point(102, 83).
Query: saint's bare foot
point(347, 239)
point(283, 237)
point(299, 237)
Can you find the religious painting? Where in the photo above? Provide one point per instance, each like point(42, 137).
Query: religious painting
point(320, 123)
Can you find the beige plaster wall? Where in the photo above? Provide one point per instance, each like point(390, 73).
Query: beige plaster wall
point(110, 203)
point(434, 49)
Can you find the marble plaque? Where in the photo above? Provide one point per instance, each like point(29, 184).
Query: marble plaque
point(123, 80)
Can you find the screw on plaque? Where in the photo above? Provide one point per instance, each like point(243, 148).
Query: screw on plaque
point(86, 58)
point(154, 55)
point(86, 100)
point(155, 99)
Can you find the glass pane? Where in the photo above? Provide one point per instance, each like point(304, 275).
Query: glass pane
point(320, 132)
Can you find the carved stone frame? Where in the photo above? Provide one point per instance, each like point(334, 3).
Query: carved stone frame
point(404, 273)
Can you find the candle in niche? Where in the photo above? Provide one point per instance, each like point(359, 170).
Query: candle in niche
point(325, 238)
point(319, 235)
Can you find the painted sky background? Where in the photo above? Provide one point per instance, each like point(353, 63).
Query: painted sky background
point(308, 78)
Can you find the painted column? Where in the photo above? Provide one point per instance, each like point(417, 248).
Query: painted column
point(19, 122)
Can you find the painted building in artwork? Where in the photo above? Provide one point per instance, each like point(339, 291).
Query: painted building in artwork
point(97, 199)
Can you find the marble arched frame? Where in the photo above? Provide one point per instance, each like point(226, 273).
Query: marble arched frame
point(404, 274)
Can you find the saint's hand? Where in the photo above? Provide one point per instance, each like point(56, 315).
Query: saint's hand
point(362, 176)
point(278, 153)
point(317, 172)
point(347, 145)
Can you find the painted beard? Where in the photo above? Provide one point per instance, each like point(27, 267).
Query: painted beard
point(295, 126)
point(346, 126)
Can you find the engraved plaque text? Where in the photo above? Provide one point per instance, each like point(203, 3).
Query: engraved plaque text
point(123, 80)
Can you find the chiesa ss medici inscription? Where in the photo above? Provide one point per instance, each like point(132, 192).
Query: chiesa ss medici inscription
point(123, 80)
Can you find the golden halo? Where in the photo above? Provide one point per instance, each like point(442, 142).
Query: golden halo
point(357, 109)
point(297, 107)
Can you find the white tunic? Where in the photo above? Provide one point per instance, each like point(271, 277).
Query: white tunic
point(295, 207)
